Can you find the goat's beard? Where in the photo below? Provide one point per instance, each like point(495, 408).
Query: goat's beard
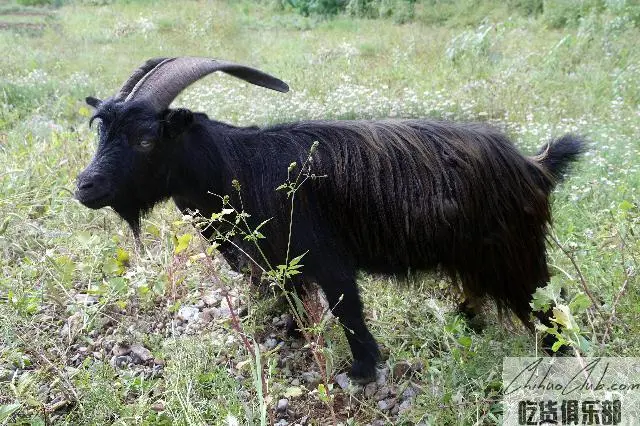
point(132, 216)
point(132, 210)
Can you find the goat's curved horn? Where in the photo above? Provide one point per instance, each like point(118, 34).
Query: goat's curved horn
point(136, 77)
point(169, 77)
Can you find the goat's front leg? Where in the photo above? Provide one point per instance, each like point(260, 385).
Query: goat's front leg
point(346, 305)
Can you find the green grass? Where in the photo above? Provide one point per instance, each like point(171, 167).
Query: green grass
point(536, 75)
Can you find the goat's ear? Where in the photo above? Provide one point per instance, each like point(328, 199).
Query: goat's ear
point(94, 102)
point(176, 121)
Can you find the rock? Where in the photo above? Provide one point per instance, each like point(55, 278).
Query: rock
point(200, 304)
point(406, 404)
point(43, 390)
point(401, 369)
point(382, 374)
point(120, 361)
point(370, 389)
point(97, 355)
point(72, 327)
point(235, 275)
point(5, 374)
point(85, 299)
point(295, 382)
point(382, 393)
point(157, 370)
point(223, 312)
point(158, 406)
point(379, 422)
point(212, 299)
point(83, 349)
point(386, 404)
point(410, 392)
point(282, 406)
point(141, 353)
point(57, 399)
point(312, 379)
point(158, 361)
point(210, 314)
point(282, 422)
point(207, 315)
point(120, 349)
point(343, 380)
point(188, 313)
point(270, 343)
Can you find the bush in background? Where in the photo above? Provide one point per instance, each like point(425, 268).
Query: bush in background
point(554, 13)
point(399, 9)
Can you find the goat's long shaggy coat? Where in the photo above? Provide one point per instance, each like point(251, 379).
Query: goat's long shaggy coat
point(395, 196)
point(388, 197)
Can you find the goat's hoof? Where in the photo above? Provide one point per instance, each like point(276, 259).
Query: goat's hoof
point(363, 372)
point(474, 320)
point(291, 328)
point(294, 333)
point(476, 324)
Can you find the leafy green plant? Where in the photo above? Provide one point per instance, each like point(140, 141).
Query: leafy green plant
point(566, 328)
point(6, 411)
point(471, 44)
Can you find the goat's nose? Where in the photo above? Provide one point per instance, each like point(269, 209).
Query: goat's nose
point(93, 190)
point(85, 184)
point(89, 181)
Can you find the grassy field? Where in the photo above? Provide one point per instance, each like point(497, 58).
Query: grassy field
point(75, 290)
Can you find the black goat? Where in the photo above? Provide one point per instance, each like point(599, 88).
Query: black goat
point(395, 194)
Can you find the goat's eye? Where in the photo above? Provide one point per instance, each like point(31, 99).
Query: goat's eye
point(145, 145)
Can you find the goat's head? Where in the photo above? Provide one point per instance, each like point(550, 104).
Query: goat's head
point(137, 132)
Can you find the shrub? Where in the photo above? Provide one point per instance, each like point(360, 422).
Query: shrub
point(56, 3)
point(400, 9)
point(526, 7)
point(559, 14)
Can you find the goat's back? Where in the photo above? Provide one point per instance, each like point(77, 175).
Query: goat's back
point(414, 193)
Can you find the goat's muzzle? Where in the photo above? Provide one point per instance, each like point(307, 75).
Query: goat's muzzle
point(93, 190)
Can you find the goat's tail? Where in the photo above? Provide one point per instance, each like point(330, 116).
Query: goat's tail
point(556, 157)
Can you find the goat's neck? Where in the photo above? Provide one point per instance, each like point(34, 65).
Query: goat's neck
point(210, 155)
